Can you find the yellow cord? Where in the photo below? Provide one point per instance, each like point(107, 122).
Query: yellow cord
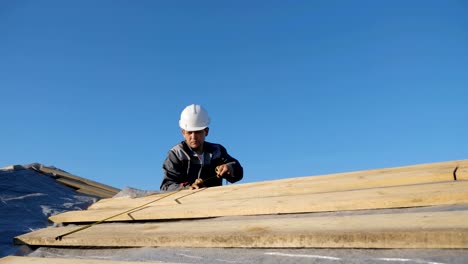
point(59, 238)
point(110, 217)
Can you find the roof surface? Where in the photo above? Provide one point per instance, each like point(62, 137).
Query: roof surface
point(413, 214)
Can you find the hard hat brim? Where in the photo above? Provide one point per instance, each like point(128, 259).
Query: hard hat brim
point(191, 128)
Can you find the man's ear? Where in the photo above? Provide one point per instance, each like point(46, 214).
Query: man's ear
point(206, 131)
point(183, 132)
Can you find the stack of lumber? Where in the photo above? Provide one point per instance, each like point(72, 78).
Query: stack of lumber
point(80, 184)
point(420, 206)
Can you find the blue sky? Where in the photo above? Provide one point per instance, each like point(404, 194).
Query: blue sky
point(294, 88)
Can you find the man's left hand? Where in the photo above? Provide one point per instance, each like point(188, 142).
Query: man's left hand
point(223, 170)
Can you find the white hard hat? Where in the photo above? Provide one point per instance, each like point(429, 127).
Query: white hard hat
point(193, 118)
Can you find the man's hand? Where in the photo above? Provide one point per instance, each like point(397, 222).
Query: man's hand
point(197, 184)
point(223, 170)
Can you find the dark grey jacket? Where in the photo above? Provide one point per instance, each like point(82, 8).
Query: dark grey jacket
point(182, 166)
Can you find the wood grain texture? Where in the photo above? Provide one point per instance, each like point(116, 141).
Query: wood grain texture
point(447, 193)
point(409, 175)
point(462, 172)
point(448, 229)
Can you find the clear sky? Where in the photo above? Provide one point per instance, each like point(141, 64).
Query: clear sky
point(294, 88)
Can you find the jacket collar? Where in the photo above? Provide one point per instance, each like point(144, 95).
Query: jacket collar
point(207, 147)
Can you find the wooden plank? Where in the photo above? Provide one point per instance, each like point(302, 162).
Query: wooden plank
point(77, 178)
point(462, 172)
point(84, 188)
point(11, 167)
point(454, 192)
point(37, 260)
point(416, 174)
point(447, 229)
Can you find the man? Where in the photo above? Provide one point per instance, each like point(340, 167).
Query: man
point(194, 162)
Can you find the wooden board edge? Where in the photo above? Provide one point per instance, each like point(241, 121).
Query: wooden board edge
point(55, 260)
point(84, 188)
point(77, 178)
point(446, 229)
point(381, 198)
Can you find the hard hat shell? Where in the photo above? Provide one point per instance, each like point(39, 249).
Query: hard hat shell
point(193, 118)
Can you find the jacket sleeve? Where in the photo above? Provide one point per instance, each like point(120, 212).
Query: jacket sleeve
point(173, 173)
point(237, 172)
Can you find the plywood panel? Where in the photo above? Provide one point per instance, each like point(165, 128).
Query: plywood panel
point(405, 230)
point(389, 197)
point(417, 174)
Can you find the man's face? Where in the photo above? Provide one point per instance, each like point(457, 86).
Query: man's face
point(195, 139)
